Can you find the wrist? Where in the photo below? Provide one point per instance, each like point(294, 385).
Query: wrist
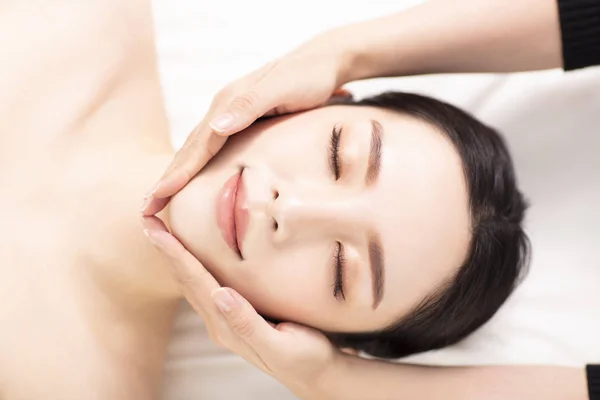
point(333, 47)
point(331, 384)
point(320, 383)
point(347, 54)
point(383, 47)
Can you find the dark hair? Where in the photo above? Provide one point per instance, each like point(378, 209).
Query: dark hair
point(499, 250)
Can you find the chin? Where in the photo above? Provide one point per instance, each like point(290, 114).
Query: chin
point(191, 217)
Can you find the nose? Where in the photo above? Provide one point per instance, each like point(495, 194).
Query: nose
point(313, 211)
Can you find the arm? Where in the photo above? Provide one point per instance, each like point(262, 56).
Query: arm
point(356, 379)
point(455, 36)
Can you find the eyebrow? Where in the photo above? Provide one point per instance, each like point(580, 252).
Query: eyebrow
point(377, 267)
point(374, 165)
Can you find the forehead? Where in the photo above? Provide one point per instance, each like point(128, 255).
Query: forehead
point(419, 205)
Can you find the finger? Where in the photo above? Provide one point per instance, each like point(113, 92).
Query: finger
point(197, 285)
point(240, 113)
point(221, 333)
point(189, 160)
point(153, 206)
point(258, 99)
point(186, 164)
point(247, 104)
point(153, 223)
point(219, 329)
point(195, 282)
point(246, 323)
point(202, 144)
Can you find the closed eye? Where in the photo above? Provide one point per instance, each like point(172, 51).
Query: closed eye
point(338, 272)
point(334, 152)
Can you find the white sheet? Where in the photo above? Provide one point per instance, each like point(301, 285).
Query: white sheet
point(552, 123)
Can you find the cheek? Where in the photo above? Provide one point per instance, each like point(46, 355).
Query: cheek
point(183, 213)
point(291, 149)
point(288, 286)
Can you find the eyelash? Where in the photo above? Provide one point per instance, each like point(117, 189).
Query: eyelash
point(338, 258)
point(338, 282)
point(334, 152)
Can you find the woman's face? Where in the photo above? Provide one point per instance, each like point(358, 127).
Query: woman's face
point(342, 218)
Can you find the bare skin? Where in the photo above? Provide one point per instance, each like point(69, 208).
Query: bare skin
point(86, 304)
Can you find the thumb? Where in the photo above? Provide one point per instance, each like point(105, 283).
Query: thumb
point(243, 319)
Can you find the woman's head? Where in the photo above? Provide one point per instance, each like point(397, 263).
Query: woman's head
point(393, 223)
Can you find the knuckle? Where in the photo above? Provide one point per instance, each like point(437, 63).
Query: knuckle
point(243, 326)
point(193, 146)
point(196, 155)
point(194, 290)
point(195, 141)
point(185, 279)
point(177, 161)
point(203, 147)
point(185, 171)
point(246, 101)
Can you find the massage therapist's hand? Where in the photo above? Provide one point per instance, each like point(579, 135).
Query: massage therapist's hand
point(295, 355)
point(303, 79)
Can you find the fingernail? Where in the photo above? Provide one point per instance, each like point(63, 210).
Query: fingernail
point(151, 192)
point(151, 238)
point(146, 203)
point(222, 123)
point(223, 299)
point(147, 233)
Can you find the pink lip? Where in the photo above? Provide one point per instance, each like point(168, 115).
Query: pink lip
point(232, 217)
point(241, 213)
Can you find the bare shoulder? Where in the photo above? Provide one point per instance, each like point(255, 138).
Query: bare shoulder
point(63, 60)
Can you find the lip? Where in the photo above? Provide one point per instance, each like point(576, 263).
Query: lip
point(241, 213)
point(232, 216)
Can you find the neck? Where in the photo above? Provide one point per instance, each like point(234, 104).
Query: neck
point(128, 268)
point(123, 286)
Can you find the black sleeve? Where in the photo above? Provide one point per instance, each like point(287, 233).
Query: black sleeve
point(580, 32)
point(593, 378)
